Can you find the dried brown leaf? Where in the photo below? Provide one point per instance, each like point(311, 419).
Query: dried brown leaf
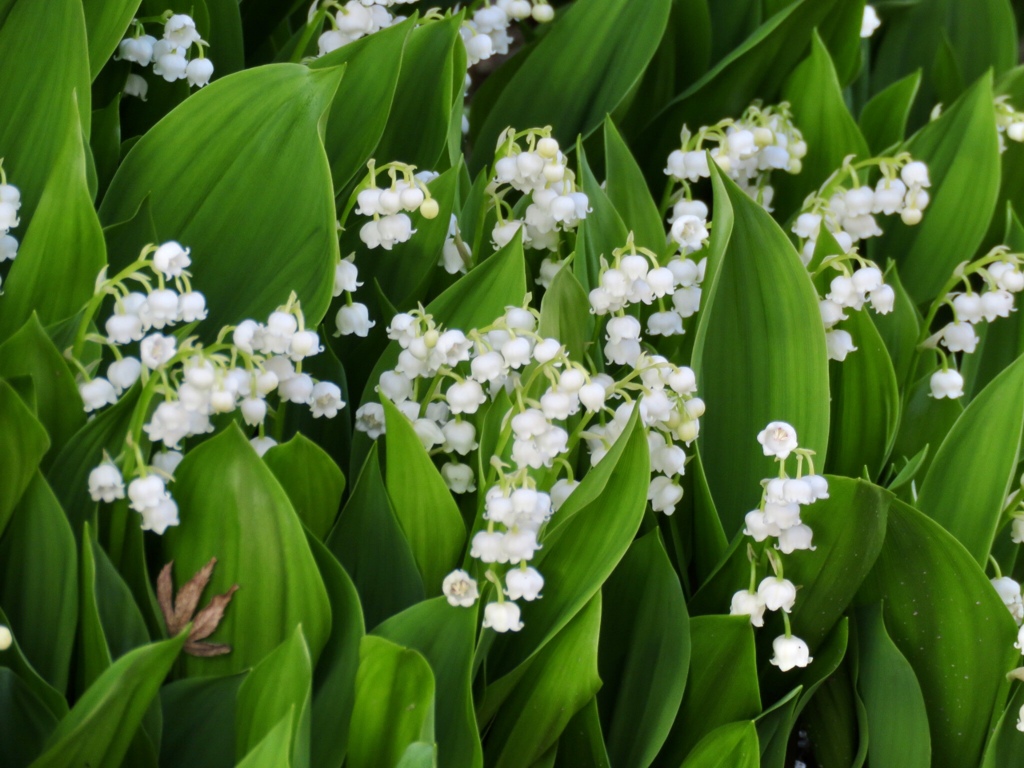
point(178, 613)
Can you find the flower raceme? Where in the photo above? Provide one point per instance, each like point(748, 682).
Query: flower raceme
point(778, 517)
point(446, 379)
point(168, 56)
point(189, 383)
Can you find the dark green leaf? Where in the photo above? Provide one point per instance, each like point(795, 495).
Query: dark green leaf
point(23, 443)
point(734, 745)
point(565, 314)
point(195, 712)
point(883, 121)
point(629, 193)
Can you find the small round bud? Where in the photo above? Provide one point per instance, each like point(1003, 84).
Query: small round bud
point(547, 148)
point(542, 14)
point(429, 209)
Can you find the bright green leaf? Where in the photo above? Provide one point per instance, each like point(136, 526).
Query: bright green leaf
point(312, 480)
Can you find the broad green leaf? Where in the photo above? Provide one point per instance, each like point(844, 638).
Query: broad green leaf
point(754, 70)
point(38, 581)
point(962, 153)
point(334, 678)
point(900, 328)
point(940, 610)
point(560, 681)
point(977, 36)
point(394, 704)
point(225, 35)
point(63, 238)
point(29, 352)
point(644, 654)
point(883, 120)
point(232, 508)
point(897, 721)
point(595, 527)
point(734, 745)
point(359, 113)
point(281, 683)
point(367, 527)
point(99, 729)
point(629, 193)
point(41, 94)
point(835, 723)
point(275, 751)
point(195, 711)
point(565, 314)
point(593, 55)
point(581, 744)
point(188, 165)
point(712, 699)
point(23, 443)
point(865, 403)
point(417, 127)
point(25, 721)
point(312, 480)
point(816, 98)
point(976, 465)
point(1003, 748)
point(106, 23)
point(424, 507)
point(17, 662)
point(760, 352)
point(446, 636)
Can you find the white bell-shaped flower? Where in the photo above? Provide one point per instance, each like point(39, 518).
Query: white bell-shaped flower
point(795, 538)
point(502, 617)
point(460, 589)
point(458, 477)
point(180, 30)
point(354, 319)
point(160, 517)
point(790, 652)
point(750, 604)
point(136, 86)
point(948, 383)
point(523, 584)
point(839, 344)
point(146, 492)
point(97, 393)
point(778, 594)
point(106, 483)
point(778, 439)
point(157, 349)
point(123, 373)
point(960, 337)
point(199, 72)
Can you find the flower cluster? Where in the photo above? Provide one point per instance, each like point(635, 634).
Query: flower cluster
point(390, 206)
point(445, 377)
point(848, 212)
point(1009, 122)
point(747, 150)
point(10, 204)
point(351, 21)
point(635, 278)
point(168, 55)
point(192, 382)
point(486, 33)
point(778, 517)
point(541, 172)
point(1001, 276)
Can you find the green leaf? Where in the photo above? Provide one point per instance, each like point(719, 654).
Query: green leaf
point(195, 711)
point(939, 609)
point(711, 699)
point(865, 403)
point(105, 144)
point(816, 98)
point(560, 681)
point(312, 480)
point(974, 468)
point(334, 678)
point(64, 237)
point(368, 526)
point(754, 70)
point(107, 22)
point(1003, 748)
point(225, 35)
point(41, 93)
point(281, 683)
point(629, 193)
point(925, 421)
point(644, 654)
point(424, 507)
point(978, 36)
point(581, 744)
point(232, 508)
point(897, 721)
point(188, 165)
point(734, 745)
point(883, 120)
point(38, 581)
point(732, 22)
point(588, 537)
point(23, 443)
point(275, 751)
point(836, 722)
point(25, 721)
point(17, 662)
point(900, 329)
point(565, 314)
point(359, 113)
point(759, 354)
point(416, 130)
point(446, 637)
point(99, 729)
point(29, 352)
point(394, 703)
point(962, 153)
point(602, 232)
point(588, 61)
